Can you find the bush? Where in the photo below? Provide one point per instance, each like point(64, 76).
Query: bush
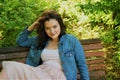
point(16, 15)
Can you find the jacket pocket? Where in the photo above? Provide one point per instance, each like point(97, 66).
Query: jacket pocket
point(69, 58)
point(69, 53)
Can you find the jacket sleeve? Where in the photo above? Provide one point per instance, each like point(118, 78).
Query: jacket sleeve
point(80, 60)
point(23, 38)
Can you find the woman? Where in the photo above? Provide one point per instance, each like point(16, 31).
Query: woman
point(53, 55)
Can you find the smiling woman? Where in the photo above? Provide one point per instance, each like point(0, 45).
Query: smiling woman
point(53, 53)
point(52, 29)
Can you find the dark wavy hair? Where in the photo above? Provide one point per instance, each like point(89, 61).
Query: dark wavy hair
point(42, 36)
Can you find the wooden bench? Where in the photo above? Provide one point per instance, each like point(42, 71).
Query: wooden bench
point(93, 51)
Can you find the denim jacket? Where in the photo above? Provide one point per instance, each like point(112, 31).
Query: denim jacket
point(70, 51)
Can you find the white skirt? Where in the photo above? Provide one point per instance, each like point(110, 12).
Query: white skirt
point(21, 71)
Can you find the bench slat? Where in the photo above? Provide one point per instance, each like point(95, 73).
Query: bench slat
point(93, 46)
point(95, 61)
point(90, 41)
point(13, 55)
point(94, 54)
point(97, 73)
point(13, 49)
point(97, 67)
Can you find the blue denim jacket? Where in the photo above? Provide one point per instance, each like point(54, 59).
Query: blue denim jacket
point(70, 51)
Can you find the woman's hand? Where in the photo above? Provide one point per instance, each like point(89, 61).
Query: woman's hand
point(34, 25)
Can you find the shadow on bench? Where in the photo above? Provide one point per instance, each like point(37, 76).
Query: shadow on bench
point(93, 51)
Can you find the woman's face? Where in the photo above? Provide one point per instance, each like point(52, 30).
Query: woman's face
point(52, 28)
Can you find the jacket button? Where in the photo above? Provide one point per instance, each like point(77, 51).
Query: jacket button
point(70, 54)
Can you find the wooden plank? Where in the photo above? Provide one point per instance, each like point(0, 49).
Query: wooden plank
point(90, 41)
point(96, 67)
point(13, 55)
point(93, 46)
point(98, 78)
point(95, 61)
point(94, 54)
point(97, 73)
point(12, 49)
point(22, 60)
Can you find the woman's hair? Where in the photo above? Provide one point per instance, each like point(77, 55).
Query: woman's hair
point(42, 36)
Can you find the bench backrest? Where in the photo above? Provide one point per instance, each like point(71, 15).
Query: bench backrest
point(93, 51)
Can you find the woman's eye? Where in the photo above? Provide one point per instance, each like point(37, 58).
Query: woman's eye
point(54, 26)
point(46, 28)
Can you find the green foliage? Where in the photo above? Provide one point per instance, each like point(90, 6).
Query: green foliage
point(16, 15)
point(105, 15)
point(76, 21)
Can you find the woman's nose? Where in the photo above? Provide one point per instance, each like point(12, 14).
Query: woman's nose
point(52, 30)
